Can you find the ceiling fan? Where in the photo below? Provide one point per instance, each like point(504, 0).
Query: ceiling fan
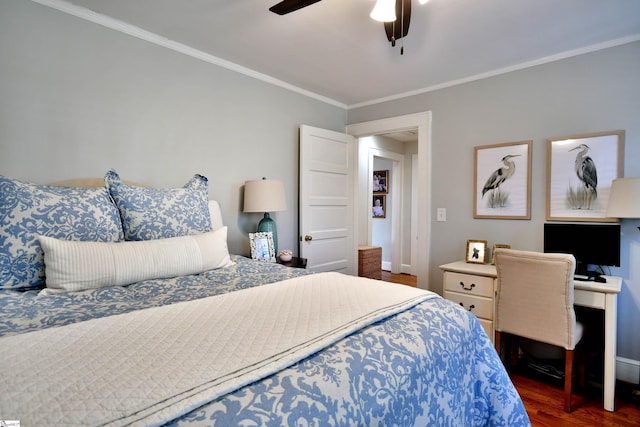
point(288, 6)
point(396, 25)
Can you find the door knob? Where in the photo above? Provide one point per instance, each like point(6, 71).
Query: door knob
point(308, 238)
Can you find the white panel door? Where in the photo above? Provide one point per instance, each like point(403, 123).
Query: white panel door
point(327, 202)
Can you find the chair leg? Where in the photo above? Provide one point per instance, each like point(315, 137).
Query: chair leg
point(568, 379)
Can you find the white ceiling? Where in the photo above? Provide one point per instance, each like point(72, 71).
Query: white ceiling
point(334, 50)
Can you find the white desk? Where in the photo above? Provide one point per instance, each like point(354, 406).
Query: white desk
point(602, 296)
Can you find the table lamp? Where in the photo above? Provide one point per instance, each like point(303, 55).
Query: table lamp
point(624, 201)
point(265, 195)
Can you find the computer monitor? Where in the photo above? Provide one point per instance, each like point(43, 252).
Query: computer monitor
point(591, 244)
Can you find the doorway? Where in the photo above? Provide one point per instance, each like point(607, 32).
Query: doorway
point(394, 231)
point(421, 122)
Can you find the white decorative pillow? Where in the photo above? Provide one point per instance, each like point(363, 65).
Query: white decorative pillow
point(216, 215)
point(159, 213)
point(28, 210)
point(76, 266)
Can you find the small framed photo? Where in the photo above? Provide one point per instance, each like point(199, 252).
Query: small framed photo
point(379, 206)
point(476, 251)
point(381, 182)
point(580, 172)
point(262, 247)
point(493, 251)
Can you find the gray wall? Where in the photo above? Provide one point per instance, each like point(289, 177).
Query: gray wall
point(599, 91)
point(77, 99)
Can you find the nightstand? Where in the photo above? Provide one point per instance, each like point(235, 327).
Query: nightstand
point(473, 287)
point(370, 262)
point(295, 262)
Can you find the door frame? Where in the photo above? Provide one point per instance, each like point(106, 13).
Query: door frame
point(421, 121)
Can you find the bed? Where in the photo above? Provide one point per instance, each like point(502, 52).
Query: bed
point(106, 319)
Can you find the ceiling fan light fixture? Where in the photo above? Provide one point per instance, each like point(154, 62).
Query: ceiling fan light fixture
point(423, 1)
point(384, 11)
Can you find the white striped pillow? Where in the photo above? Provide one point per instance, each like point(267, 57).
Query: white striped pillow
point(75, 266)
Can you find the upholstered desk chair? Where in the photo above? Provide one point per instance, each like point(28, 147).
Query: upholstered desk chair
point(535, 301)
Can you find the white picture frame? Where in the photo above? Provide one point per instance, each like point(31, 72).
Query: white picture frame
point(262, 247)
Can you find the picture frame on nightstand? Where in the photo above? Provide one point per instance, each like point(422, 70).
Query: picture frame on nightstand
point(493, 251)
point(476, 251)
point(262, 247)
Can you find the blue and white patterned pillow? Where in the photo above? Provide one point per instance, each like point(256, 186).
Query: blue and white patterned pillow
point(28, 210)
point(152, 213)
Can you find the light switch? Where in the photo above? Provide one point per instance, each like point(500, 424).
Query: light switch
point(441, 214)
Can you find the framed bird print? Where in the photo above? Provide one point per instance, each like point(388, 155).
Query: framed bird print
point(580, 170)
point(502, 181)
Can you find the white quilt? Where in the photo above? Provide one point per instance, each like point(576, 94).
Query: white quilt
point(151, 366)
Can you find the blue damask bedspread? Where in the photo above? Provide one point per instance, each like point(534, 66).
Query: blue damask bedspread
point(28, 311)
point(431, 365)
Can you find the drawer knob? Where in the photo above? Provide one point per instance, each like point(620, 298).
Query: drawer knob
point(473, 285)
point(471, 307)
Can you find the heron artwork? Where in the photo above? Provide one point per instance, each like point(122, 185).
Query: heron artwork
point(498, 197)
point(583, 196)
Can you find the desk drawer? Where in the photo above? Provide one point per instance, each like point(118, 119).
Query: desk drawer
point(480, 307)
point(468, 284)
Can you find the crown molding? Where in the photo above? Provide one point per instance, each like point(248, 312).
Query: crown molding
point(505, 70)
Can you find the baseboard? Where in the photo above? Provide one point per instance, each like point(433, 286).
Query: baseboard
point(404, 268)
point(628, 370)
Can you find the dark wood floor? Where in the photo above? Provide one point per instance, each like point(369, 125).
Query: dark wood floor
point(544, 403)
point(544, 400)
point(403, 279)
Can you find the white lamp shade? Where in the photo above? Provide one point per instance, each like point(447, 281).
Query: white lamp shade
point(624, 201)
point(264, 195)
point(384, 11)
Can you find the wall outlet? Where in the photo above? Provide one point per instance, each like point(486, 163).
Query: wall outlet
point(441, 214)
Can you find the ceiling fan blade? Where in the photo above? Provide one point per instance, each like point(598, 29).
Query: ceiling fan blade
point(288, 6)
point(401, 27)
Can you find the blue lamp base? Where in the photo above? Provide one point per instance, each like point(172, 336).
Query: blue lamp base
point(267, 224)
